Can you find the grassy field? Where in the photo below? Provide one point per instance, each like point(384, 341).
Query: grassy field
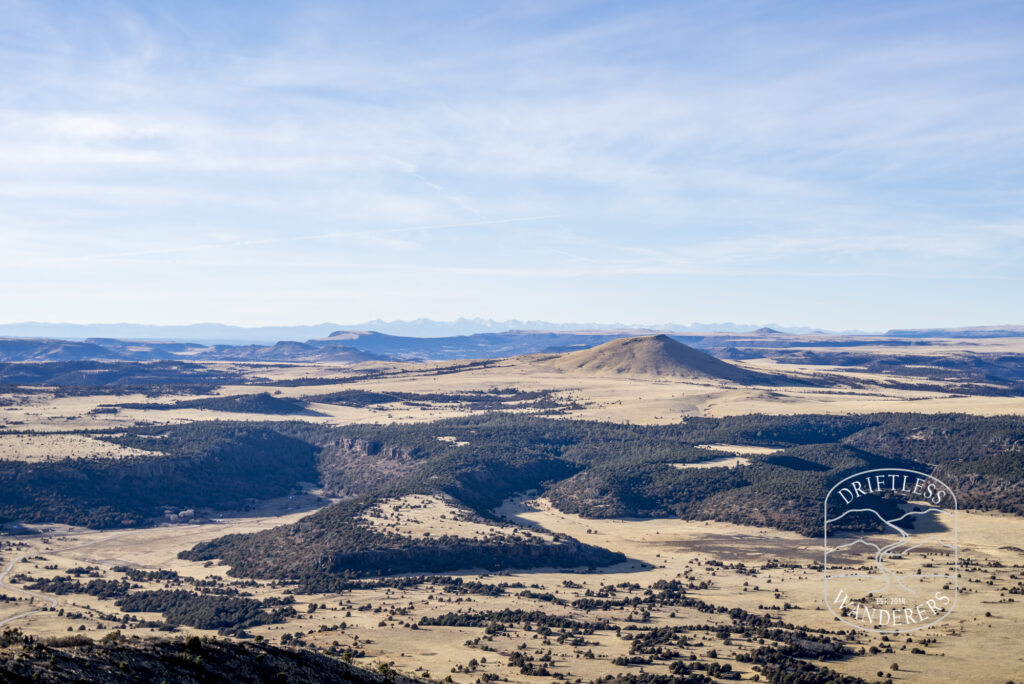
point(737, 567)
point(977, 643)
point(590, 395)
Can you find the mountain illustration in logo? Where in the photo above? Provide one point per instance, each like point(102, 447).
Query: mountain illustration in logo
point(890, 552)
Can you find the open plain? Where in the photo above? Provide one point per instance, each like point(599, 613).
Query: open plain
point(573, 623)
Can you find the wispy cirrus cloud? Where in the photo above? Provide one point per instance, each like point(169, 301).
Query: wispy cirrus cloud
point(657, 141)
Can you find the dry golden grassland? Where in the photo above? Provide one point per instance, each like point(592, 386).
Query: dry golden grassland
point(43, 446)
point(418, 516)
point(613, 397)
point(978, 642)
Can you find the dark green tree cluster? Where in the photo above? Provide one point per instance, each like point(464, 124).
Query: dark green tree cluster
point(262, 402)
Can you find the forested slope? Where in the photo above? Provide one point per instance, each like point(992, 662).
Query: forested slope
point(183, 661)
point(591, 468)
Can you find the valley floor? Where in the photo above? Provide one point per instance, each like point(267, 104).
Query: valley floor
point(978, 642)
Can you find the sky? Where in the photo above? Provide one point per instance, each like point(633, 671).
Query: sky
point(835, 165)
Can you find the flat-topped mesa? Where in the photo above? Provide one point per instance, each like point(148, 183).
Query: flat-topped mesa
point(652, 355)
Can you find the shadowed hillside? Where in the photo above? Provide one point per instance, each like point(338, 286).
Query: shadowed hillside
point(118, 659)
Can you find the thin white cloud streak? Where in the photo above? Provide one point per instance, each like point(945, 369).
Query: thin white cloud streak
point(231, 244)
point(686, 148)
point(517, 135)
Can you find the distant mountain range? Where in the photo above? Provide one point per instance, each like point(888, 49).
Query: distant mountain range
point(339, 347)
point(217, 333)
point(976, 332)
point(353, 346)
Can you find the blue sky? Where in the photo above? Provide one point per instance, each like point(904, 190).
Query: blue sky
point(842, 165)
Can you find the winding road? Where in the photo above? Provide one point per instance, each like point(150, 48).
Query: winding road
point(52, 601)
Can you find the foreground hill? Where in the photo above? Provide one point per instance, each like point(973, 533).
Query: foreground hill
point(653, 355)
point(116, 659)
